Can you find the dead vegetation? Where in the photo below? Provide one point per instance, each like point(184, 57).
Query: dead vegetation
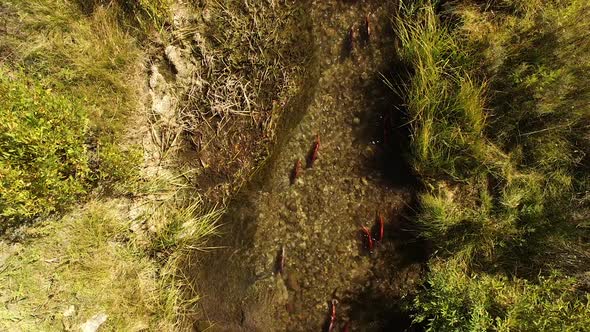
point(236, 65)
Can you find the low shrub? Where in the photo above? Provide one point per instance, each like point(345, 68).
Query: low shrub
point(67, 90)
point(43, 158)
point(459, 301)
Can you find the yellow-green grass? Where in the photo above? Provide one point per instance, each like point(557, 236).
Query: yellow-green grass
point(77, 261)
point(142, 15)
point(100, 261)
point(498, 108)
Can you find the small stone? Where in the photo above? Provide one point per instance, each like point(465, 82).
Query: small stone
point(364, 181)
point(176, 58)
point(155, 78)
point(163, 106)
point(292, 206)
point(70, 311)
point(356, 121)
point(94, 323)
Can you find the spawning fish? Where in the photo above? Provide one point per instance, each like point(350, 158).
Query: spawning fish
point(296, 171)
point(314, 152)
point(281, 260)
point(332, 316)
point(381, 223)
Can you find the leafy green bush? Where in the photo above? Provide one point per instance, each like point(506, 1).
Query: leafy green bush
point(43, 159)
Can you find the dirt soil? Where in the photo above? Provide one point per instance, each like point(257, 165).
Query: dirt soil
point(317, 217)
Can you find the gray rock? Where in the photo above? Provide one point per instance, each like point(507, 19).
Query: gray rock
point(70, 311)
point(94, 323)
point(183, 67)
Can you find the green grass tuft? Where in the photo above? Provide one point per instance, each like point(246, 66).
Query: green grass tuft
point(498, 108)
point(99, 260)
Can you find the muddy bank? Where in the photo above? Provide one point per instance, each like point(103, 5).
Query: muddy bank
point(317, 216)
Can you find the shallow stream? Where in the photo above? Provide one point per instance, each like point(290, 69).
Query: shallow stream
point(317, 217)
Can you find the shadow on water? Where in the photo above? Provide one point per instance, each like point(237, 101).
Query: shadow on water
point(382, 306)
point(387, 130)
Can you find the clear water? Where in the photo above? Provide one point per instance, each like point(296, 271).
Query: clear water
point(317, 219)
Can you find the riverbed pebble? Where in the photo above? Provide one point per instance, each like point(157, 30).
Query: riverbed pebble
point(292, 206)
point(293, 281)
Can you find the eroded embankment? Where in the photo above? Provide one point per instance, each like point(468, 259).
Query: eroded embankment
point(317, 218)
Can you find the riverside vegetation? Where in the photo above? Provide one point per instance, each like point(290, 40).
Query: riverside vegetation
point(70, 82)
point(497, 102)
